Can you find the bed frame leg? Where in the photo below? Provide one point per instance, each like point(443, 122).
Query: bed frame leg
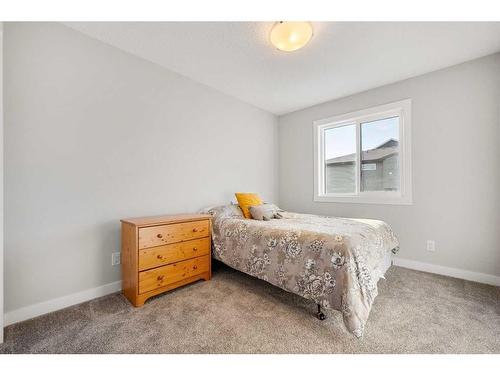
point(320, 315)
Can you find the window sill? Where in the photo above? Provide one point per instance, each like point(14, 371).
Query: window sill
point(405, 200)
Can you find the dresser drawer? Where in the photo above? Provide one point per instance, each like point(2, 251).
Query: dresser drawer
point(161, 276)
point(171, 233)
point(162, 255)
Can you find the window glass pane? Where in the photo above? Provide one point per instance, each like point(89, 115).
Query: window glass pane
point(340, 159)
point(380, 155)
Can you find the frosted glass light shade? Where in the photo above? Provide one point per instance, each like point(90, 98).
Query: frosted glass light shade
point(290, 36)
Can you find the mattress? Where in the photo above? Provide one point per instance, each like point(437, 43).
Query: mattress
point(335, 262)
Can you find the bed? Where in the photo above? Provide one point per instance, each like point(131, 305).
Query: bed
point(335, 262)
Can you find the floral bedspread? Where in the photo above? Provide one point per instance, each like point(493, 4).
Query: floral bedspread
point(335, 262)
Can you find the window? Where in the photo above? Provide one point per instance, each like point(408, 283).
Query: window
point(364, 156)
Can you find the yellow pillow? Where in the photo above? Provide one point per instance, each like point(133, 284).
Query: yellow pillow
point(245, 200)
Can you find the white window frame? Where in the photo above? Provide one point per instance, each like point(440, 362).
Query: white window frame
point(404, 195)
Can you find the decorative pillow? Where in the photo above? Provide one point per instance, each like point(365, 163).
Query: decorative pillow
point(246, 200)
point(265, 212)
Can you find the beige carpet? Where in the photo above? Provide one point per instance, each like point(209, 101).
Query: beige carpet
point(415, 312)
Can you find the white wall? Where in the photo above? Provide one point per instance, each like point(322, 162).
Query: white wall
point(92, 135)
point(456, 166)
point(1, 183)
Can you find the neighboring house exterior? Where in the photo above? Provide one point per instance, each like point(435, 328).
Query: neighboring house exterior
point(379, 170)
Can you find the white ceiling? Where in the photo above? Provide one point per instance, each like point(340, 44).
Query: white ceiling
point(343, 58)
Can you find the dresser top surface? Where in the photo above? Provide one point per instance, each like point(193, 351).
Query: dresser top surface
point(164, 219)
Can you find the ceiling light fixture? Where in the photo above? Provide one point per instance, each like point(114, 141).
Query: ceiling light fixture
point(290, 36)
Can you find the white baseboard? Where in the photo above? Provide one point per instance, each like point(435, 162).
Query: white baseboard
point(41, 308)
point(448, 271)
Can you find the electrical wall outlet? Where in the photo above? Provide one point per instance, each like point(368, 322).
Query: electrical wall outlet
point(116, 259)
point(431, 245)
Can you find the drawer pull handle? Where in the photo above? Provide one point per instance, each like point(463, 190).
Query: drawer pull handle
point(195, 249)
point(160, 278)
point(159, 235)
point(195, 230)
point(159, 256)
point(195, 267)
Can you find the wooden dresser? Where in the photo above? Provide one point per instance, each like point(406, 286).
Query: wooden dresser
point(162, 253)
